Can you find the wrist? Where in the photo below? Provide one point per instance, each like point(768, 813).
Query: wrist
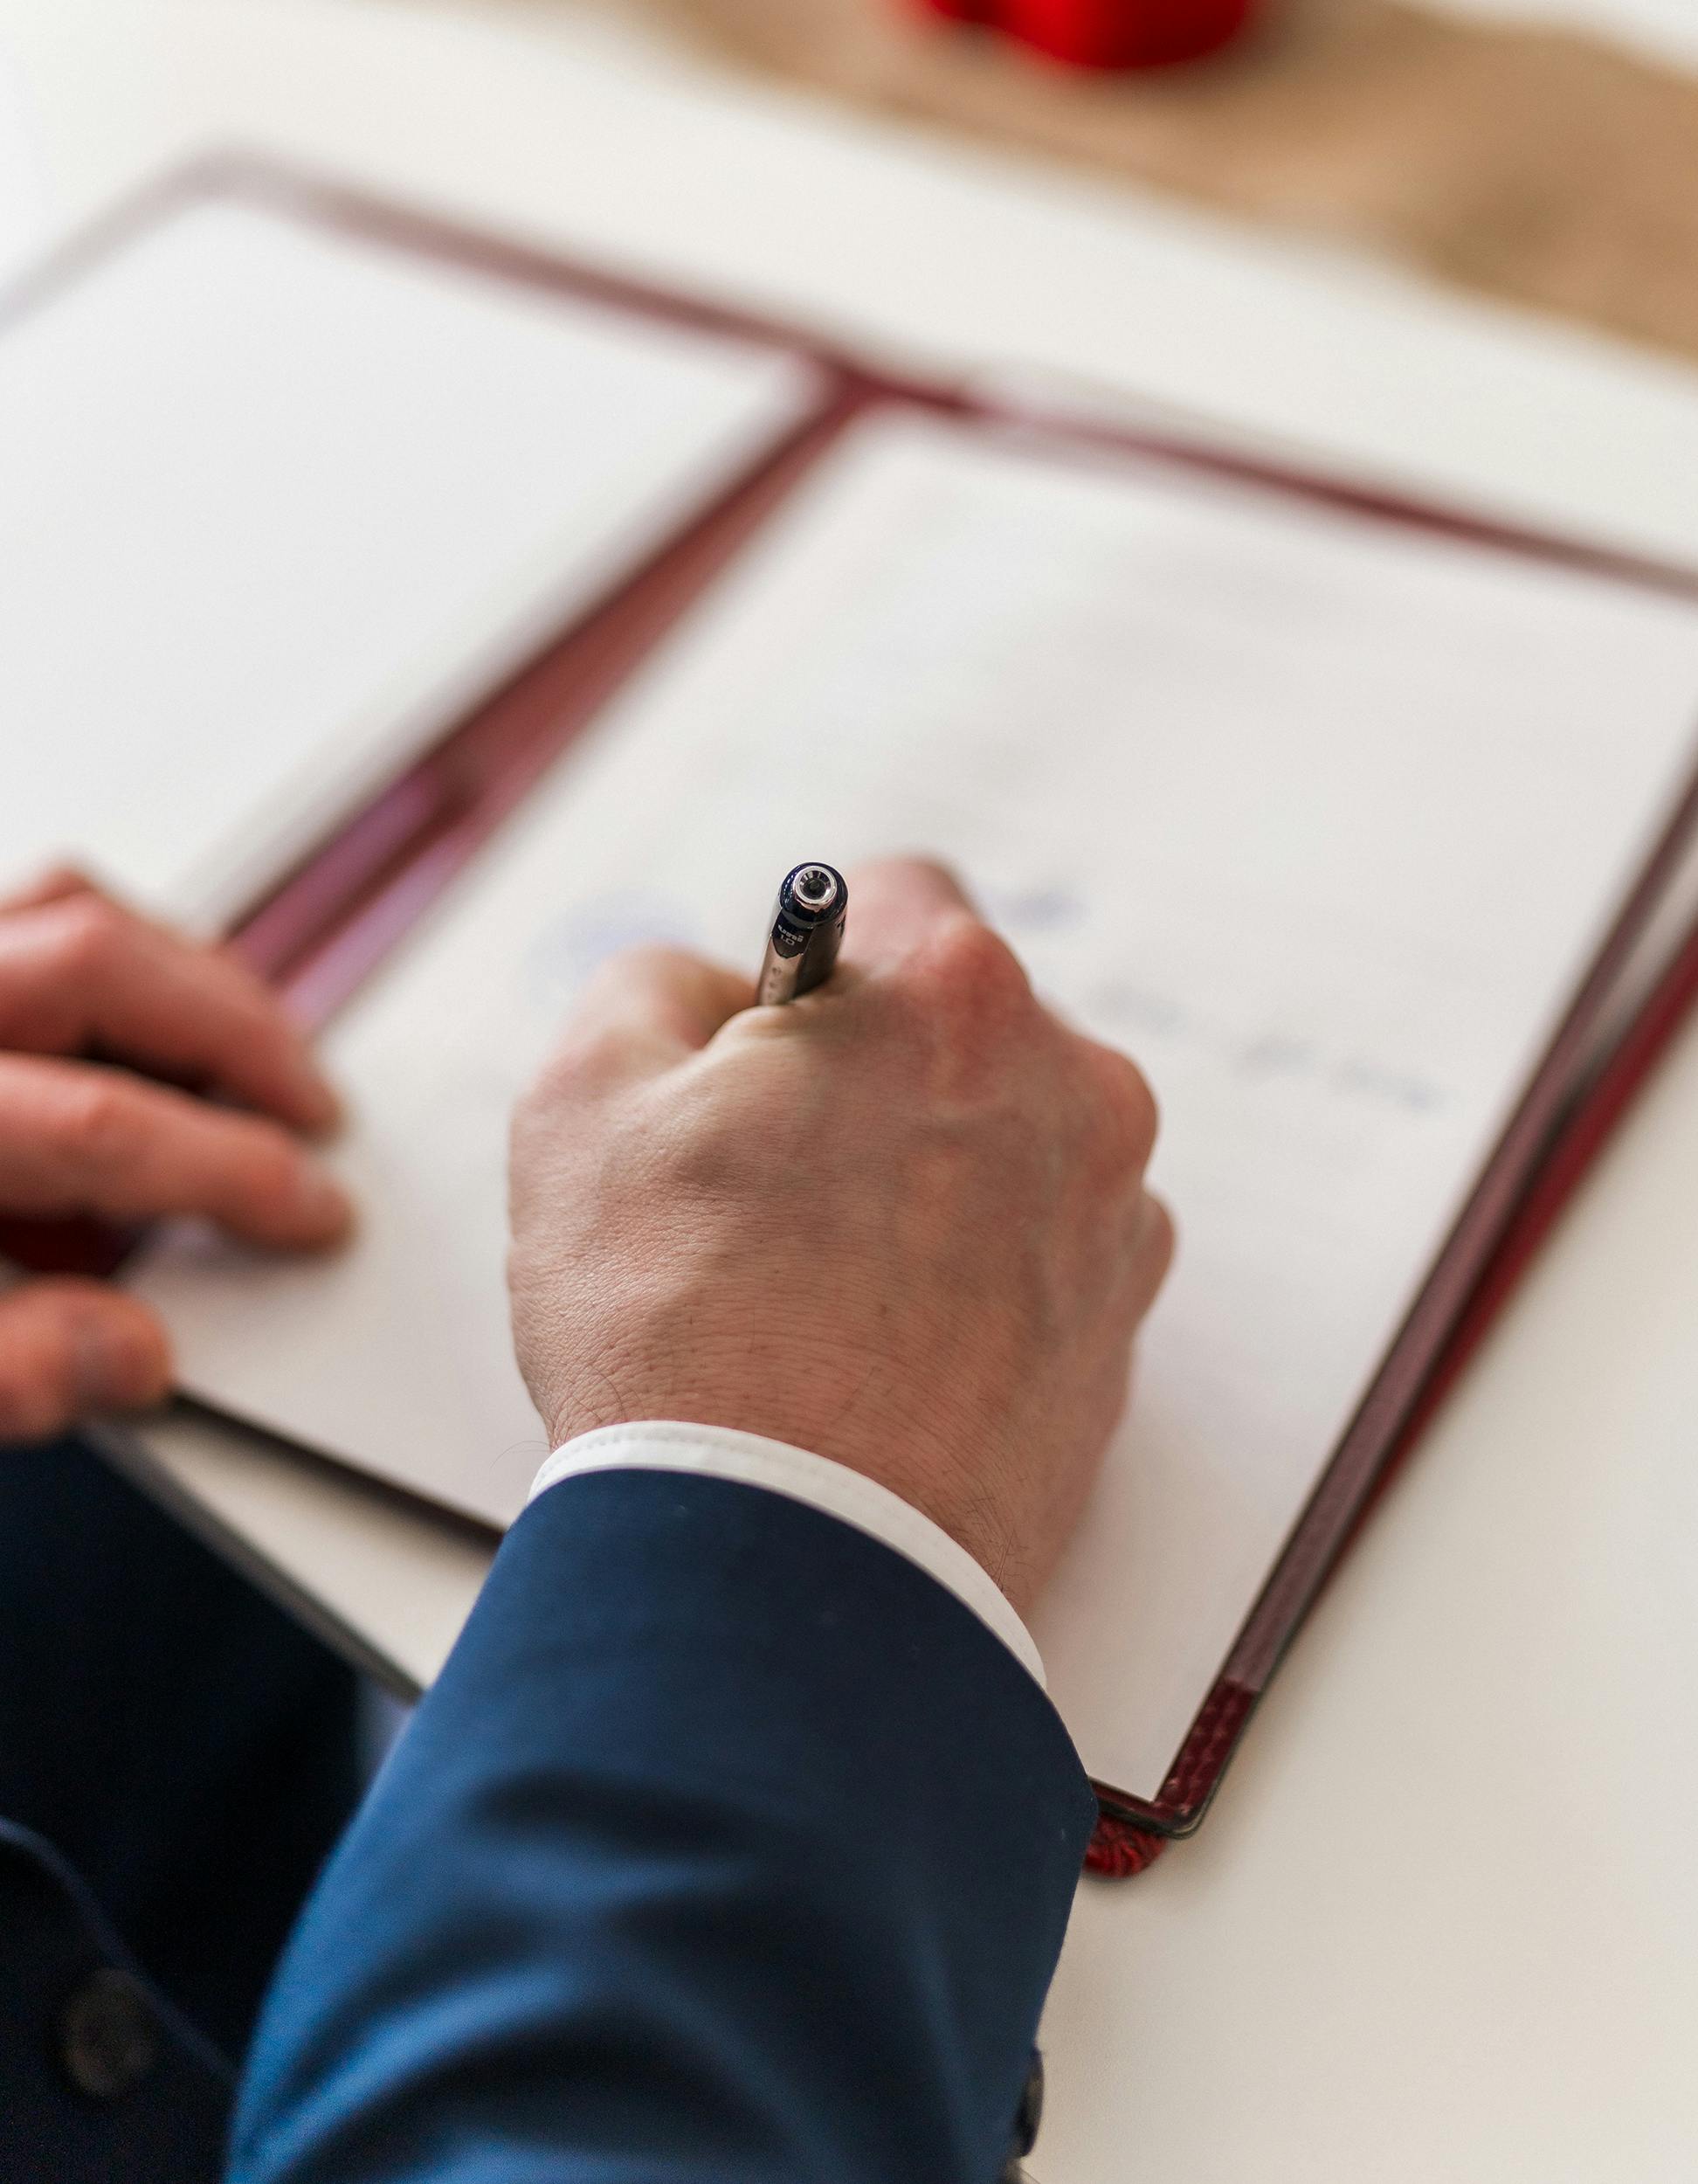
point(834, 1417)
point(839, 1490)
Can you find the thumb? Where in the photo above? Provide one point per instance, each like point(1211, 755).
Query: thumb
point(651, 1008)
point(69, 1349)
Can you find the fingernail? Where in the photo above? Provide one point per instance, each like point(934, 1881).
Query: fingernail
point(322, 1203)
point(322, 1105)
point(112, 1369)
point(311, 1103)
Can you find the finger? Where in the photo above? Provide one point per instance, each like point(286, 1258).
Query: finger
point(894, 905)
point(650, 1007)
point(54, 885)
point(71, 1349)
point(75, 1138)
point(77, 972)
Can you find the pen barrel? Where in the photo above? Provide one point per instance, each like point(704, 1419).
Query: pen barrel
point(806, 932)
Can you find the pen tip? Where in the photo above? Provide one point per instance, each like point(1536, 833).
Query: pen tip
point(814, 887)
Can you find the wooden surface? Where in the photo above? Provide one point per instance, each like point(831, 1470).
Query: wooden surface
point(1532, 163)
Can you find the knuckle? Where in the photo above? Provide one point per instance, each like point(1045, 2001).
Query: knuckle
point(48, 883)
point(1162, 1238)
point(89, 933)
point(94, 1120)
point(61, 877)
point(267, 1167)
point(1133, 1117)
point(966, 975)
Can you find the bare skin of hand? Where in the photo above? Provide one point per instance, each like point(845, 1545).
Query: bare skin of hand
point(90, 995)
point(901, 1223)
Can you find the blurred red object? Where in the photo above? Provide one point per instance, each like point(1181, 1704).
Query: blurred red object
point(1109, 33)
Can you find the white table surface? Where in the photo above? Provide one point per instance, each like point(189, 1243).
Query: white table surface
point(1442, 1924)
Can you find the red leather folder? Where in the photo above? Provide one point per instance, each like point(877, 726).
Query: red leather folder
point(332, 920)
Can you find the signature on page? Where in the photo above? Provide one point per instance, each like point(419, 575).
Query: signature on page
point(1142, 1017)
point(1050, 922)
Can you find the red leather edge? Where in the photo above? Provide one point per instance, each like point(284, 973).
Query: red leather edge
point(1357, 1478)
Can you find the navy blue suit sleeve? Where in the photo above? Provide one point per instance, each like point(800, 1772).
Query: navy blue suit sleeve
point(730, 1846)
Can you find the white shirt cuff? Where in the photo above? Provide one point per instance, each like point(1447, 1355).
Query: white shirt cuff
point(716, 1452)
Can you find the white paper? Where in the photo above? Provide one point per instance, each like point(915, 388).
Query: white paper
point(1317, 818)
point(277, 503)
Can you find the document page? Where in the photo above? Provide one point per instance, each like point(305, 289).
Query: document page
point(1317, 818)
point(280, 502)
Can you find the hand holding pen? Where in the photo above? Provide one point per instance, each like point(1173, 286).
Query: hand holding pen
point(908, 1233)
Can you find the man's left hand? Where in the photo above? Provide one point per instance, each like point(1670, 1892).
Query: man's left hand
point(91, 995)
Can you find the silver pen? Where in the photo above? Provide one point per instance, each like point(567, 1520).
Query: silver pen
point(806, 933)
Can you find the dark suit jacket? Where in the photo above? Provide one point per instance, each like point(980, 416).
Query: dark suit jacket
point(729, 1847)
point(101, 2080)
point(176, 1759)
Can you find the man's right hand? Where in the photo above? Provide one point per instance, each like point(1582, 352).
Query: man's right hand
point(901, 1223)
point(84, 987)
